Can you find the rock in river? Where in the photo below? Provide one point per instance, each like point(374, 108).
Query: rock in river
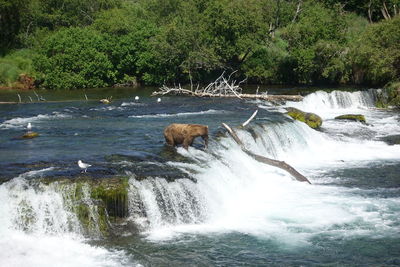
point(311, 119)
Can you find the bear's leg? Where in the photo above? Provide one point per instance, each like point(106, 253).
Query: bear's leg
point(205, 138)
point(187, 142)
point(170, 140)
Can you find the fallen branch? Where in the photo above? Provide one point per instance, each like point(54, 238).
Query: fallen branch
point(222, 87)
point(276, 163)
point(181, 91)
point(249, 120)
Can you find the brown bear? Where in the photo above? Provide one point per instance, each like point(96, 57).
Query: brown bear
point(176, 134)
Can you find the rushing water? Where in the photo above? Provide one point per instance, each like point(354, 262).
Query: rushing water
point(204, 207)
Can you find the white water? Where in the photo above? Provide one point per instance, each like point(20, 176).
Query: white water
point(236, 193)
point(183, 114)
point(38, 228)
point(327, 104)
point(233, 192)
point(18, 123)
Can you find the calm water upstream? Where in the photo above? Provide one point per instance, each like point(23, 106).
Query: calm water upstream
point(215, 207)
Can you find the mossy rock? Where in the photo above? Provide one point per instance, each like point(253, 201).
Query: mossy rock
point(99, 204)
point(311, 119)
point(30, 135)
point(114, 195)
point(352, 117)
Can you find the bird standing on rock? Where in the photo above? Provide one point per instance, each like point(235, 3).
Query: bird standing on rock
point(29, 127)
point(83, 166)
point(136, 98)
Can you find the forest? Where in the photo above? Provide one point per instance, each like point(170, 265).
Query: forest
point(73, 44)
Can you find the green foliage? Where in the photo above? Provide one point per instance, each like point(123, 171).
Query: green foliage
point(14, 64)
point(10, 22)
point(75, 58)
point(371, 9)
point(55, 13)
point(376, 54)
point(316, 45)
point(21, 19)
point(235, 29)
point(393, 93)
point(267, 64)
point(99, 43)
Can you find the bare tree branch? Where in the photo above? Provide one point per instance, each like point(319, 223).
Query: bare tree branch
point(222, 87)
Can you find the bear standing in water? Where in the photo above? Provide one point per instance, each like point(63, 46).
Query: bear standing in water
point(176, 134)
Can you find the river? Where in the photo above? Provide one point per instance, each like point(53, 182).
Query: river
point(215, 207)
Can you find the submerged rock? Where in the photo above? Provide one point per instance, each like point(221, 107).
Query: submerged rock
point(311, 119)
point(352, 117)
point(392, 139)
point(30, 135)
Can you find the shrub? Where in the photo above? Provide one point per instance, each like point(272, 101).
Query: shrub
point(15, 64)
point(75, 58)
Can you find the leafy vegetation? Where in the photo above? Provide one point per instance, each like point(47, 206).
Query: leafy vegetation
point(81, 44)
point(14, 64)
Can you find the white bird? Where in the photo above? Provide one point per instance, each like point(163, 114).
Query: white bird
point(136, 98)
point(158, 100)
point(29, 127)
point(83, 166)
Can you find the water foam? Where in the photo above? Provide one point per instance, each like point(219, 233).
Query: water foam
point(35, 173)
point(183, 114)
point(38, 228)
point(238, 194)
point(18, 123)
point(328, 105)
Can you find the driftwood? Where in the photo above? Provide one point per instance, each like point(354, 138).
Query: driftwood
point(276, 163)
point(222, 87)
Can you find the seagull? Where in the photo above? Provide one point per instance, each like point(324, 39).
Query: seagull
point(29, 127)
point(136, 98)
point(83, 165)
point(158, 100)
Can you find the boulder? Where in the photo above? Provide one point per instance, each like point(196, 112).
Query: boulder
point(352, 117)
point(311, 119)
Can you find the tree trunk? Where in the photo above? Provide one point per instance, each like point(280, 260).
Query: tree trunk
point(276, 163)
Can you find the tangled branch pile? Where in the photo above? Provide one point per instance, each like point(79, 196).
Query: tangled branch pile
point(222, 87)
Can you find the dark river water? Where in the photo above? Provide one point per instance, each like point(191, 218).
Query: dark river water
point(214, 207)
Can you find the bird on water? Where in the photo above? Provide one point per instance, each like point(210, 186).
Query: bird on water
point(83, 166)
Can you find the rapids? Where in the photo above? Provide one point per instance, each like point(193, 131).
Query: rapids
point(214, 207)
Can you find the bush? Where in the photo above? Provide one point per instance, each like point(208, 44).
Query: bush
point(317, 44)
point(266, 64)
point(75, 58)
point(376, 54)
point(15, 64)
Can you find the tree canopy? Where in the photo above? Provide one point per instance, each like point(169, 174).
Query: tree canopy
point(81, 44)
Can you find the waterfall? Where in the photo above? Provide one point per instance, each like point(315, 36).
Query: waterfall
point(155, 202)
point(324, 103)
point(40, 226)
point(40, 209)
point(233, 192)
